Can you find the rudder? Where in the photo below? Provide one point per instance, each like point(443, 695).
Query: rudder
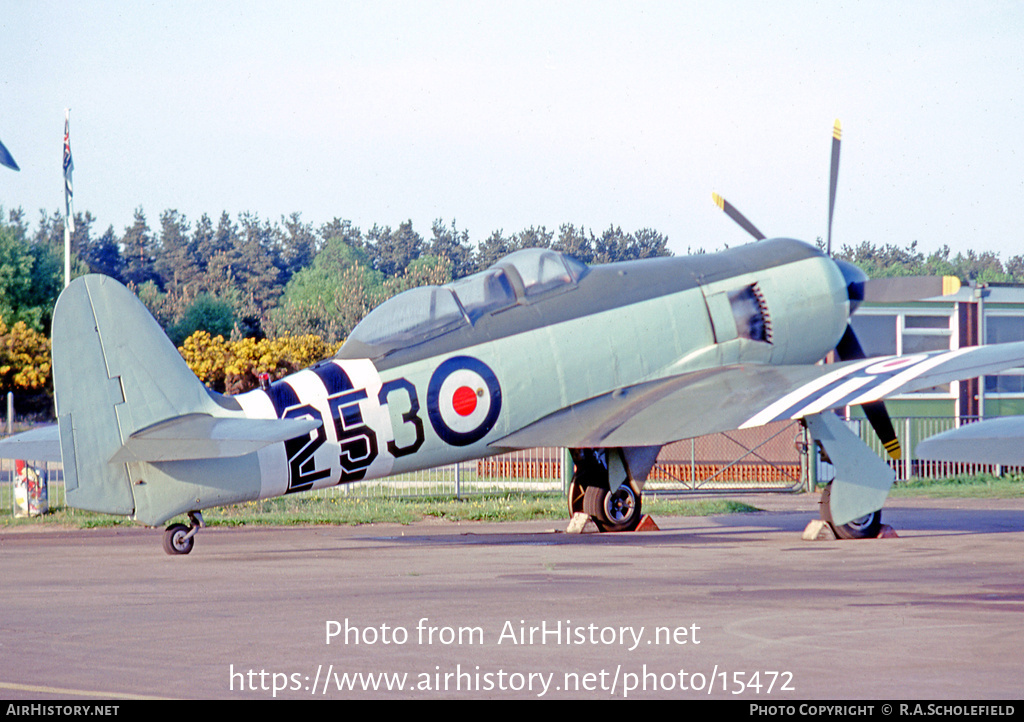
point(114, 372)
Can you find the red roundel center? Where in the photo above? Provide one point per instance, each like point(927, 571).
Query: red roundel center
point(464, 401)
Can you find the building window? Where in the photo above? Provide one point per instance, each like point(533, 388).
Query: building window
point(876, 332)
point(1000, 327)
point(925, 333)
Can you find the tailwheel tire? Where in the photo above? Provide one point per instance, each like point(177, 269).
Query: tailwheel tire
point(864, 527)
point(176, 539)
point(617, 510)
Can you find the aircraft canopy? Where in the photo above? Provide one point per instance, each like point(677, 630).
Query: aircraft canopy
point(420, 314)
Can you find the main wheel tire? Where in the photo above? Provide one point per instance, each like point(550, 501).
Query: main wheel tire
point(864, 527)
point(176, 539)
point(618, 510)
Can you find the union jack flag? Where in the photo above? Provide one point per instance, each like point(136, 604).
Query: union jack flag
point(69, 165)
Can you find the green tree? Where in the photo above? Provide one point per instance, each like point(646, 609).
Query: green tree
point(104, 256)
point(330, 296)
point(491, 249)
point(206, 313)
point(454, 245)
point(260, 265)
point(576, 243)
point(16, 263)
point(424, 271)
point(139, 252)
point(647, 243)
point(392, 251)
point(299, 245)
point(892, 261)
point(175, 264)
point(31, 273)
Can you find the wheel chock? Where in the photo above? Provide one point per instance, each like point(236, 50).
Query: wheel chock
point(580, 523)
point(818, 530)
point(647, 524)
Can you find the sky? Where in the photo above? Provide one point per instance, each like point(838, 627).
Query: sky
point(511, 114)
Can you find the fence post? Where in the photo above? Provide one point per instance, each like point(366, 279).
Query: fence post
point(908, 466)
point(10, 412)
point(693, 464)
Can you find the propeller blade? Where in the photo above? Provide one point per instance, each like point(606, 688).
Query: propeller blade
point(879, 419)
point(730, 210)
point(833, 180)
point(909, 288)
point(849, 349)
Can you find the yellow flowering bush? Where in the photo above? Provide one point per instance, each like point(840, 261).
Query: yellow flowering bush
point(24, 358)
point(234, 366)
point(206, 355)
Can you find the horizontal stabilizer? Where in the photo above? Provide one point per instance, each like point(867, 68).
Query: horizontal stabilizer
point(40, 444)
point(994, 441)
point(201, 436)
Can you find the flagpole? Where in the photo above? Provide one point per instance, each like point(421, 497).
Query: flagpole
point(67, 254)
point(69, 219)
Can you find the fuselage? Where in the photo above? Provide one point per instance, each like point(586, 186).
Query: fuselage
point(441, 375)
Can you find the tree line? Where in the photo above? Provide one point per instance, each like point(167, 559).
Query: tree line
point(891, 260)
point(250, 277)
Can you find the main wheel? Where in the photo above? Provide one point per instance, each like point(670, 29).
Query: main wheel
point(617, 510)
point(176, 539)
point(864, 527)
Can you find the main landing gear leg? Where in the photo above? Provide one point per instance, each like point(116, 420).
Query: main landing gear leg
point(178, 538)
point(618, 510)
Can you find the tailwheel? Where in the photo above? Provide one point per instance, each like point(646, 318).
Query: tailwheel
point(864, 527)
point(617, 510)
point(179, 539)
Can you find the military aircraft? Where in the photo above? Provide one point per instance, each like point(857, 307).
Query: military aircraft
point(609, 361)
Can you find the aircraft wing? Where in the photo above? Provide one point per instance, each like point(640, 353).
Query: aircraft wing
point(736, 397)
point(994, 441)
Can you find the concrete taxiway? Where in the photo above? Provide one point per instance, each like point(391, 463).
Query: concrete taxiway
point(735, 607)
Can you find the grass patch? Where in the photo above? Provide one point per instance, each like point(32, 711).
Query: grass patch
point(966, 486)
point(298, 510)
point(307, 510)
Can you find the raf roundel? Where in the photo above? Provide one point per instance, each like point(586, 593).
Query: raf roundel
point(463, 400)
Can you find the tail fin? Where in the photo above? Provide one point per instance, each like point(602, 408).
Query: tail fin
point(116, 373)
